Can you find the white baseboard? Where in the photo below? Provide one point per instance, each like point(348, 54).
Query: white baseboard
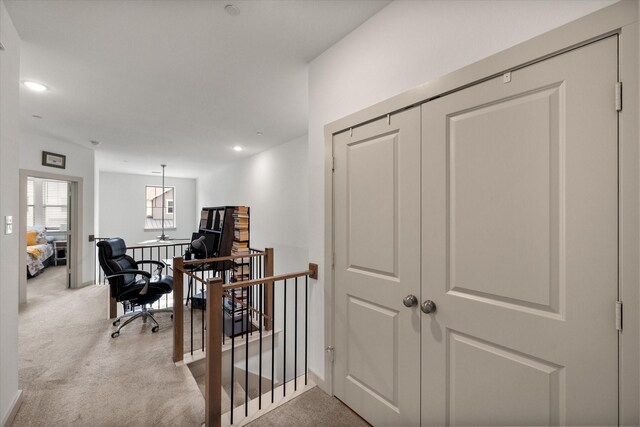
point(320, 382)
point(8, 418)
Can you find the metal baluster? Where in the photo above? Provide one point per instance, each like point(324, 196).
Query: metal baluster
point(233, 348)
point(191, 311)
point(295, 337)
point(260, 323)
point(273, 342)
point(223, 277)
point(202, 306)
point(246, 363)
point(306, 315)
point(284, 346)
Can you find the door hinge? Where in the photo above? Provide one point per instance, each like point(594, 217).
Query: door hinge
point(333, 260)
point(619, 315)
point(329, 351)
point(619, 96)
point(333, 164)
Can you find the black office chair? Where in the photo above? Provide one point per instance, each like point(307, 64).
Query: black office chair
point(122, 272)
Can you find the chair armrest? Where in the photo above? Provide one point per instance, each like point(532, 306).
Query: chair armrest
point(148, 261)
point(146, 274)
point(160, 265)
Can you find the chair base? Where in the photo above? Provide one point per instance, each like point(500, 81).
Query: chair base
point(146, 313)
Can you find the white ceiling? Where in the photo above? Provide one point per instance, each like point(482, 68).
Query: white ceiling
point(177, 82)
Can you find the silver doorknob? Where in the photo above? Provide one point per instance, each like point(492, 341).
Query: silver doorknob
point(410, 300)
point(428, 306)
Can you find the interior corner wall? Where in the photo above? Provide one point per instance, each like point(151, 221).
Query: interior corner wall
point(406, 44)
point(274, 184)
point(9, 205)
point(122, 206)
point(80, 162)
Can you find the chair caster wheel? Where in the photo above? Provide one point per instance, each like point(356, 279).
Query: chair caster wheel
point(115, 334)
point(155, 329)
point(116, 322)
point(172, 317)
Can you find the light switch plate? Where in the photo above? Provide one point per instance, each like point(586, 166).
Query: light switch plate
point(8, 224)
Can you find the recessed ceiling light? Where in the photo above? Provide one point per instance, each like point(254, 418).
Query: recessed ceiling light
point(232, 10)
point(259, 133)
point(237, 148)
point(94, 142)
point(34, 86)
point(35, 116)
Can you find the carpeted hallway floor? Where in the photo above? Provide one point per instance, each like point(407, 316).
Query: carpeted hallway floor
point(73, 373)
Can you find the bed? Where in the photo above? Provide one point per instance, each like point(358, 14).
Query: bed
point(39, 250)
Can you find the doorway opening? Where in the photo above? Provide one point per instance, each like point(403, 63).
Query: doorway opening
point(51, 221)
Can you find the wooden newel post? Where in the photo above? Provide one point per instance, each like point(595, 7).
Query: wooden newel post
point(178, 307)
point(268, 294)
point(213, 345)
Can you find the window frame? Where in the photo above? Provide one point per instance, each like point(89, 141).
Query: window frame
point(172, 224)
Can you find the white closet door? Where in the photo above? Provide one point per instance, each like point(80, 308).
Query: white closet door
point(377, 264)
point(520, 247)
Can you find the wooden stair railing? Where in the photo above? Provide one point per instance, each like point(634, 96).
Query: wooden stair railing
point(216, 291)
point(180, 270)
point(213, 364)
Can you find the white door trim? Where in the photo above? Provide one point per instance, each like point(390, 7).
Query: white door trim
point(621, 17)
point(75, 226)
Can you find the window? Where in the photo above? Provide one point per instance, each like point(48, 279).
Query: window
point(47, 203)
point(54, 202)
point(159, 204)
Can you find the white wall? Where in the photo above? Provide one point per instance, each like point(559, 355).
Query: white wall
point(274, 184)
point(122, 206)
point(9, 205)
point(406, 44)
point(80, 163)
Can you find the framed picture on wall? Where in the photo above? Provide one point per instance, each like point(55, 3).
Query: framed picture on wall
point(54, 160)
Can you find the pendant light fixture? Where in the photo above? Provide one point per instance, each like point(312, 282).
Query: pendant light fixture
point(163, 237)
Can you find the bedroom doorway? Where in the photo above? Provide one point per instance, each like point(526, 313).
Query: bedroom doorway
point(50, 215)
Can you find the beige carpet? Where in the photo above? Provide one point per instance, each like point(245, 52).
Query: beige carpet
point(73, 373)
point(312, 408)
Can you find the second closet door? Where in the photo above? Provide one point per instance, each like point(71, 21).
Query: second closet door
point(520, 248)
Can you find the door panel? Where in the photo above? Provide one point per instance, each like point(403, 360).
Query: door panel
point(377, 264)
point(519, 247)
point(500, 196)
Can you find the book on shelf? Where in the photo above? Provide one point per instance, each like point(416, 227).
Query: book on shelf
point(241, 269)
point(239, 234)
point(241, 210)
point(240, 246)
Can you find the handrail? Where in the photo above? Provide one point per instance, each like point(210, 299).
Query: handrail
point(312, 272)
point(222, 258)
point(216, 291)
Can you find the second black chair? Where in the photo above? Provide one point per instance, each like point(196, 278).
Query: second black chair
point(131, 285)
